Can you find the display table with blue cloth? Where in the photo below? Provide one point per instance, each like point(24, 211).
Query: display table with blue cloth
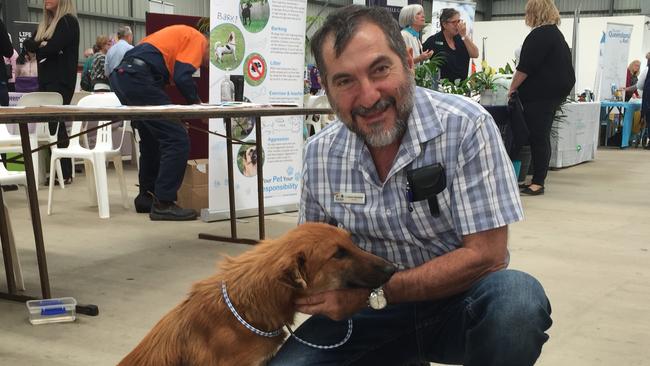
point(625, 109)
point(574, 138)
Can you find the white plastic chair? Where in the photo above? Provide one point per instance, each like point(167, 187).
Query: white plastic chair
point(311, 120)
point(95, 159)
point(42, 135)
point(17, 178)
point(318, 121)
point(127, 127)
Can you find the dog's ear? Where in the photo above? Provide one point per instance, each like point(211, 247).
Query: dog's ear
point(295, 276)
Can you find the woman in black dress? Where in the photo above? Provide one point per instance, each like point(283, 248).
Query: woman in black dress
point(56, 44)
point(544, 79)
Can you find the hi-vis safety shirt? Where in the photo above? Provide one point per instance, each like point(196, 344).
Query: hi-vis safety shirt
point(175, 53)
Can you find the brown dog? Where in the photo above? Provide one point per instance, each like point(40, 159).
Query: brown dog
point(262, 285)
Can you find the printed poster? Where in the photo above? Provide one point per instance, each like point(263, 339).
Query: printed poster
point(612, 59)
point(259, 45)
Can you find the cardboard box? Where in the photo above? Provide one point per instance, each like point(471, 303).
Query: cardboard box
point(193, 197)
point(196, 173)
point(194, 190)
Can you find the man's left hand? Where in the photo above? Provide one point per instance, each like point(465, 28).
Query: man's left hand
point(336, 304)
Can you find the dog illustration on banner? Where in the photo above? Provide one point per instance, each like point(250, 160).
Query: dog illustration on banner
point(228, 49)
point(246, 13)
point(261, 285)
point(250, 161)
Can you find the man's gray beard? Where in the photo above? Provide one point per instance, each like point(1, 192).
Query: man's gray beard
point(381, 137)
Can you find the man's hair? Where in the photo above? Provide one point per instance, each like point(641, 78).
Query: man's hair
point(407, 14)
point(342, 25)
point(123, 31)
point(446, 14)
point(541, 12)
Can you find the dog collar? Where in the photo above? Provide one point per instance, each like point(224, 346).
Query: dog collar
point(234, 312)
point(277, 332)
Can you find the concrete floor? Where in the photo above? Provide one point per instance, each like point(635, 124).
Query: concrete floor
point(586, 240)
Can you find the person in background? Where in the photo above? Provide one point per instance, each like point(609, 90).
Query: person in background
point(544, 78)
point(6, 50)
point(631, 80)
point(411, 20)
point(453, 300)
point(173, 54)
point(454, 43)
point(26, 72)
point(89, 54)
point(116, 53)
point(98, 78)
point(642, 84)
point(314, 80)
point(56, 45)
point(11, 62)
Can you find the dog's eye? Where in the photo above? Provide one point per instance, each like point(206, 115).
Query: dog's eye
point(341, 253)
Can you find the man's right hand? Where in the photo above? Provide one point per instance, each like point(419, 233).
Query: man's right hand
point(336, 304)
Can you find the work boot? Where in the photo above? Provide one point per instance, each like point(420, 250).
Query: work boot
point(143, 202)
point(169, 211)
point(9, 187)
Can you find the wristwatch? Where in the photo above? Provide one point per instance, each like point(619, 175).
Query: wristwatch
point(377, 300)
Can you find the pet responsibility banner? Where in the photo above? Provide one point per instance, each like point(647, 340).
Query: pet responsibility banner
point(257, 46)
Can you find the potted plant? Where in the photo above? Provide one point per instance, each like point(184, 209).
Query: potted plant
point(427, 72)
point(457, 86)
point(483, 83)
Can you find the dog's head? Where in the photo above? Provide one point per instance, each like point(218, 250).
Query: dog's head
point(321, 257)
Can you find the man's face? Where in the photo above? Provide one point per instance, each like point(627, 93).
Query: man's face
point(368, 87)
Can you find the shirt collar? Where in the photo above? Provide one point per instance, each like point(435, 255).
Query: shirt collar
point(415, 33)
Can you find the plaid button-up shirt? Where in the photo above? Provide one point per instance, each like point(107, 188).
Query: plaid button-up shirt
point(481, 192)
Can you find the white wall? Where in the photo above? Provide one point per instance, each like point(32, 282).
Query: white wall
point(505, 36)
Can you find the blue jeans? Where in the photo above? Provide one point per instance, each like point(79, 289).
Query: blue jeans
point(501, 320)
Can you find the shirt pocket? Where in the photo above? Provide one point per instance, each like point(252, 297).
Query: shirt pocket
point(423, 225)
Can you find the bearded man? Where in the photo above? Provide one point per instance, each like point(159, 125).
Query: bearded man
point(453, 300)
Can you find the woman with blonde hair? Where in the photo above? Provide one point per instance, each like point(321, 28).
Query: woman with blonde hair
point(544, 79)
point(56, 45)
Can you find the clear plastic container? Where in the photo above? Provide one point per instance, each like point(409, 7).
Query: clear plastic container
point(57, 310)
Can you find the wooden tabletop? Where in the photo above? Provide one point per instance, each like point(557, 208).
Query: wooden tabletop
point(48, 113)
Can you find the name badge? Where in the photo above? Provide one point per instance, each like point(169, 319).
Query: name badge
point(350, 197)
point(438, 43)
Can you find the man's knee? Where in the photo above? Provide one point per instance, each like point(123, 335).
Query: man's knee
point(516, 299)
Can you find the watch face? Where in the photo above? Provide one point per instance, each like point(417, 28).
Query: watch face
point(377, 301)
point(381, 302)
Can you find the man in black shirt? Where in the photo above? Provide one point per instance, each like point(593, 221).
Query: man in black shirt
point(454, 43)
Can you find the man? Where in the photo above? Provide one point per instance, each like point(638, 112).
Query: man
point(116, 53)
point(454, 43)
point(453, 301)
point(172, 54)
